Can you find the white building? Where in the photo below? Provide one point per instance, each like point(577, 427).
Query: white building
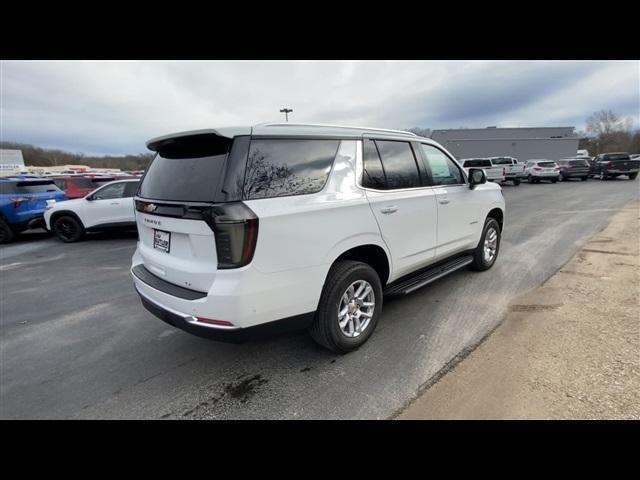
point(551, 143)
point(11, 161)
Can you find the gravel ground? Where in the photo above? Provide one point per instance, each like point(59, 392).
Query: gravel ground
point(569, 349)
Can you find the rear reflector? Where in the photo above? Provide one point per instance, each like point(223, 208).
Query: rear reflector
point(215, 322)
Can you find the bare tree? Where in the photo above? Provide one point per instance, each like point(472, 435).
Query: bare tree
point(606, 122)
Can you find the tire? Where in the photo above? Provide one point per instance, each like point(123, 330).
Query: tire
point(6, 234)
point(602, 176)
point(326, 328)
point(480, 261)
point(632, 176)
point(584, 179)
point(562, 178)
point(68, 229)
point(516, 182)
point(530, 179)
point(554, 180)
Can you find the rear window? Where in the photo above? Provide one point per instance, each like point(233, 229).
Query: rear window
point(578, 163)
point(81, 182)
point(502, 161)
point(477, 163)
point(283, 167)
point(36, 187)
point(547, 164)
point(621, 156)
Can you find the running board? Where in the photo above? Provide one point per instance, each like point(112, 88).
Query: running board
point(421, 279)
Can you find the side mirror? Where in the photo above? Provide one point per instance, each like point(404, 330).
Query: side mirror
point(89, 198)
point(476, 177)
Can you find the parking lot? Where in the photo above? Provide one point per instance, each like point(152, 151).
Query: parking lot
point(76, 342)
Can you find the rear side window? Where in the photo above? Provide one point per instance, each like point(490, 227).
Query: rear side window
point(502, 161)
point(284, 167)
point(443, 170)
point(578, 163)
point(399, 164)
point(82, 182)
point(109, 192)
point(373, 175)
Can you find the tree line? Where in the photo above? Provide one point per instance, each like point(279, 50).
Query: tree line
point(46, 157)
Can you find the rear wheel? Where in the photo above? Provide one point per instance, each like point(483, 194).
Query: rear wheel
point(349, 308)
point(6, 234)
point(562, 178)
point(602, 176)
point(516, 182)
point(68, 229)
point(485, 254)
point(632, 176)
point(584, 179)
point(554, 180)
point(530, 179)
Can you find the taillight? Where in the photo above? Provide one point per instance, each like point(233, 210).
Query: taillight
point(17, 201)
point(236, 230)
point(212, 321)
point(537, 168)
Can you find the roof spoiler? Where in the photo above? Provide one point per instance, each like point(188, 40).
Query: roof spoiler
point(207, 135)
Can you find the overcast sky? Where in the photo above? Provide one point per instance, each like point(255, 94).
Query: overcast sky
point(114, 107)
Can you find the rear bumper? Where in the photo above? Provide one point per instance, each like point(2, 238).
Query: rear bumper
point(221, 333)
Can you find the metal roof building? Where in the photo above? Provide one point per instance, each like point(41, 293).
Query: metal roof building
point(551, 143)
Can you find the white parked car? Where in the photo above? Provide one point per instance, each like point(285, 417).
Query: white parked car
point(246, 230)
point(497, 173)
point(108, 207)
point(538, 170)
point(514, 171)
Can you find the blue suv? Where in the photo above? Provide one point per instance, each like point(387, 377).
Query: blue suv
point(22, 204)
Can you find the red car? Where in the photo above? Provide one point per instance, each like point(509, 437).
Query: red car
point(75, 186)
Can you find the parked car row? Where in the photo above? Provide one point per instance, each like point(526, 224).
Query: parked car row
point(26, 202)
point(604, 166)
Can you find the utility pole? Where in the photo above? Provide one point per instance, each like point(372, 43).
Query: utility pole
point(286, 112)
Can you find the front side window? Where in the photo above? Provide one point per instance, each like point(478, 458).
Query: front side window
point(110, 192)
point(444, 171)
point(284, 167)
point(399, 164)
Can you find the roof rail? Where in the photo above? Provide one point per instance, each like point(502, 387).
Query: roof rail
point(290, 124)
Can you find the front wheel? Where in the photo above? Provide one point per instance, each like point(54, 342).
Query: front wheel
point(349, 308)
point(485, 254)
point(68, 229)
point(632, 176)
point(6, 234)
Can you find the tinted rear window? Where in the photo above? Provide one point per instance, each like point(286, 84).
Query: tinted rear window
point(578, 163)
point(39, 187)
point(477, 163)
point(282, 167)
point(616, 157)
point(547, 164)
point(82, 182)
point(502, 161)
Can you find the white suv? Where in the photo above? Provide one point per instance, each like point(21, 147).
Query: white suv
point(106, 208)
point(245, 230)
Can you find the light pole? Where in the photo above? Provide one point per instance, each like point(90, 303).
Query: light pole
point(286, 112)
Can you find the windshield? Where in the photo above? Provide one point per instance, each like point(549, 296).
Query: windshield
point(82, 182)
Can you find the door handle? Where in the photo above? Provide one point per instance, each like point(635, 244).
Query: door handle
point(389, 209)
point(114, 203)
point(443, 201)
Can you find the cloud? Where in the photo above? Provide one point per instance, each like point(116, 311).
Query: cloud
point(113, 107)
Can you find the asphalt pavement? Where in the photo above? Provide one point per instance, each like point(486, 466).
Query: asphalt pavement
point(76, 342)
